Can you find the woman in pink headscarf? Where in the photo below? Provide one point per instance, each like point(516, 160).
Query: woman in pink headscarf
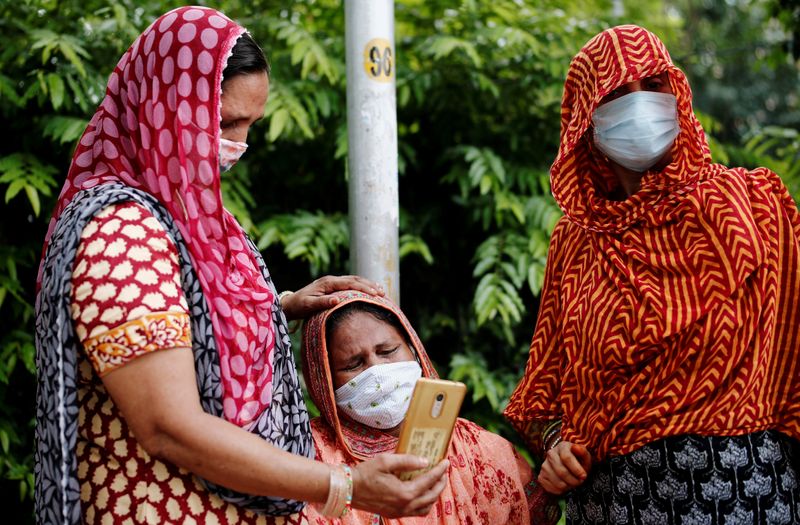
point(167, 391)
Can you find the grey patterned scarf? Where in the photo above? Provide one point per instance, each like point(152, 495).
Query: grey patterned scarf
point(57, 496)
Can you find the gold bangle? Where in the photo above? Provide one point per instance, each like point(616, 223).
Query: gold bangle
point(284, 294)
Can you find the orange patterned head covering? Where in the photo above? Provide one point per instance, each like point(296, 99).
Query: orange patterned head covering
point(674, 311)
point(580, 177)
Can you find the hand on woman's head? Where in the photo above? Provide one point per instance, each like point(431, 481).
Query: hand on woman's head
point(321, 294)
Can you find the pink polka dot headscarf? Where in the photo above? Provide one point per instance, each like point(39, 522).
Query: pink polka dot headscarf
point(158, 130)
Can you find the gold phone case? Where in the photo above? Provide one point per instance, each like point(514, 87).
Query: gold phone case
point(429, 422)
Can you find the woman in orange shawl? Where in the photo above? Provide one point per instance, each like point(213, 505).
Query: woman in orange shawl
point(663, 383)
point(486, 479)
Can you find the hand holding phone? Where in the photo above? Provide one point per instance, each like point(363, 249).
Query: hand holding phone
point(429, 422)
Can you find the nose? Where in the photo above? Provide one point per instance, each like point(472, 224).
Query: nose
point(371, 361)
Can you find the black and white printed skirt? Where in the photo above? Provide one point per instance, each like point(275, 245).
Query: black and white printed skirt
point(694, 480)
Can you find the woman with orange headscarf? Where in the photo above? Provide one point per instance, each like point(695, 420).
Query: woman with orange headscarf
point(361, 360)
point(663, 384)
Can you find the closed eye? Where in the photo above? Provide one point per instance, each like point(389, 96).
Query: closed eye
point(352, 365)
point(389, 351)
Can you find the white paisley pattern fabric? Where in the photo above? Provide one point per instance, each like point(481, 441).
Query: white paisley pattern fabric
point(694, 480)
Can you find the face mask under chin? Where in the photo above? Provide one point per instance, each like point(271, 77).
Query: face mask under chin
point(229, 153)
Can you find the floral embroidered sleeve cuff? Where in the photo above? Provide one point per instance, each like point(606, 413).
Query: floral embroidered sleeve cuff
point(126, 289)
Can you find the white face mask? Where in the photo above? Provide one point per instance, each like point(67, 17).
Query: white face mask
point(379, 396)
point(637, 129)
point(229, 153)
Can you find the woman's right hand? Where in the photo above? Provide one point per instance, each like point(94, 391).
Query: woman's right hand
point(376, 488)
point(565, 467)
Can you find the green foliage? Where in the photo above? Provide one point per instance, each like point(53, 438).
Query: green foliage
point(315, 238)
point(735, 55)
point(775, 148)
point(23, 172)
point(478, 91)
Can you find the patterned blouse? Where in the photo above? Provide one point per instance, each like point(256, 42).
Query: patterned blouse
point(127, 302)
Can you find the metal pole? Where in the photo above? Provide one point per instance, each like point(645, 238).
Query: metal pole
point(372, 139)
point(617, 8)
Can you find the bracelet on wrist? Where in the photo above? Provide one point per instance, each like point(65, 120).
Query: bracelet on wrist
point(551, 435)
point(340, 492)
point(348, 503)
point(295, 323)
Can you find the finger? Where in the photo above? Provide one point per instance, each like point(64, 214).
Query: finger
point(550, 484)
point(356, 282)
point(554, 484)
point(313, 304)
point(429, 498)
point(559, 463)
point(583, 455)
point(549, 474)
point(428, 480)
point(402, 462)
point(572, 466)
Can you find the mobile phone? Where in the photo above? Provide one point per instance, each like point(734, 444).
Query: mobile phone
point(430, 420)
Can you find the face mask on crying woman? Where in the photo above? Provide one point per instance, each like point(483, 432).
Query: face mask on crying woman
point(379, 396)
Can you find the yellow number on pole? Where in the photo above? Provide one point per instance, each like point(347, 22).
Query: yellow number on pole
point(378, 60)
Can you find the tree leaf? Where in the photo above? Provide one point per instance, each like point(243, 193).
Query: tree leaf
point(277, 123)
point(56, 85)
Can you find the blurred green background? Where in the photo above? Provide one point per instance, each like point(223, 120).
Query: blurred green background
point(478, 92)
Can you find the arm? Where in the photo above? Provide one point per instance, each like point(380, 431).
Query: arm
point(157, 395)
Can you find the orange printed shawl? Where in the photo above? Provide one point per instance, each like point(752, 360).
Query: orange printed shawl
point(487, 478)
point(674, 311)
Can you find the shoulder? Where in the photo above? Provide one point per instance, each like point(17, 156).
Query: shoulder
point(127, 217)
point(566, 239)
point(754, 182)
point(768, 180)
point(127, 229)
point(760, 190)
point(126, 267)
point(563, 228)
